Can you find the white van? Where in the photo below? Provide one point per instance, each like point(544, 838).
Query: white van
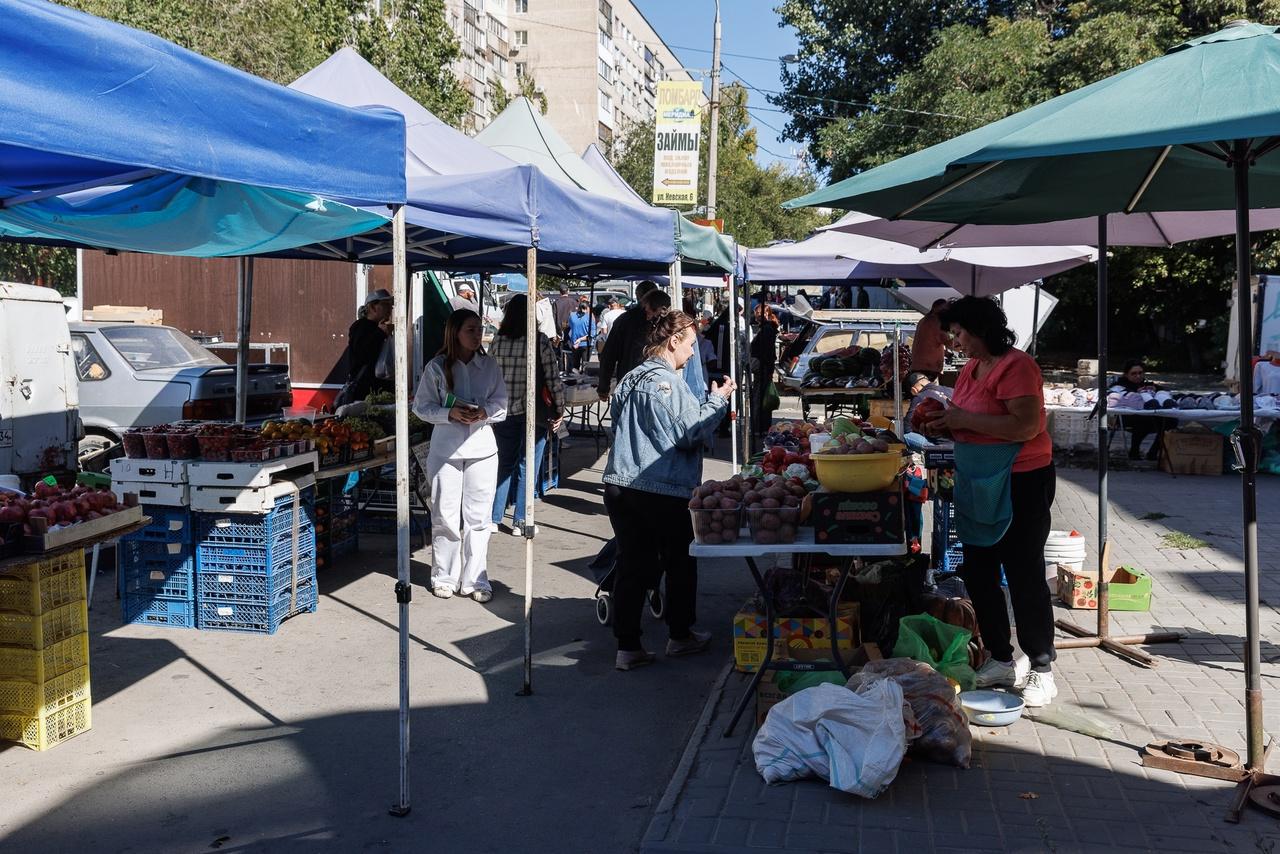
point(39, 395)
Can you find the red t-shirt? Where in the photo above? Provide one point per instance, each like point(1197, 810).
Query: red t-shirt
point(1015, 375)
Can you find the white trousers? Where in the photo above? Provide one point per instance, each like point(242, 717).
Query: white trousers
point(461, 521)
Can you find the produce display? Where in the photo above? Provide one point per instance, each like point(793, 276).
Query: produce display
point(848, 367)
point(849, 436)
point(224, 442)
point(774, 508)
point(59, 507)
point(791, 435)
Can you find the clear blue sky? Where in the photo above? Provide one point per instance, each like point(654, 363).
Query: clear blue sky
point(750, 29)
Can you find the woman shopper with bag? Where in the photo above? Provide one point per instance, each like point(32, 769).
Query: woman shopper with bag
point(764, 358)
point(655, 461)
point(510, 353)
point(1004, 491)
point(463, 395)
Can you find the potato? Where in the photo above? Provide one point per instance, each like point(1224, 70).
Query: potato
point(768, 521)
point(791, 501)
point(755, 505)
point(765, 538)
point(695, 503)
point(786, 533)
point(751, 497)
point(728, 504)
point(712, 539)
point(771, 503)
point(729, 535)
point(710, 502)
point(715, 525)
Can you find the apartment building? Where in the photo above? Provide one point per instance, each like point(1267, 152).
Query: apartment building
point(597, 61)
point(486, 61)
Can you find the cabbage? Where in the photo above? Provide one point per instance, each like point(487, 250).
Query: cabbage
point(799, 470)
point(842, 426)
point(752, 471)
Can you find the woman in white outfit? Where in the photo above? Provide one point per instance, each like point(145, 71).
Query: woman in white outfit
point(462, 393)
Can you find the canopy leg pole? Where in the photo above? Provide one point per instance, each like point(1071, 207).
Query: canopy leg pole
point(732, 370)
point(1247, 442)
point(592, 330)
point(748, 403)
point(1101, 638)
point(1035, 318)
point(677, 285)
point(530, 460)
point(244, 316)
point(403, 588)
point(1104, 507)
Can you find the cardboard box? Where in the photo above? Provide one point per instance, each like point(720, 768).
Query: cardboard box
point(769, 695)
point(795, 638)
point(862, 518)
point(1130, 589)
point(1191, 453)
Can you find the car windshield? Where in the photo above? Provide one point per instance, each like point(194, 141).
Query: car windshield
point(147, 348)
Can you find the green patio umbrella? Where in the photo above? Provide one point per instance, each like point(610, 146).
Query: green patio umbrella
point(1154, 138)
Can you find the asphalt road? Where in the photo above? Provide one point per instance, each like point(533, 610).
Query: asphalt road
point(207, 741)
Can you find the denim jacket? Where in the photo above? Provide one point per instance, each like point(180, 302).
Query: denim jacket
point(659, 431)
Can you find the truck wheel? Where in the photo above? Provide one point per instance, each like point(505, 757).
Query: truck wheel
point(92, 444)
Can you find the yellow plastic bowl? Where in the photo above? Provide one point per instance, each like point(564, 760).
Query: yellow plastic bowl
point(858, 472)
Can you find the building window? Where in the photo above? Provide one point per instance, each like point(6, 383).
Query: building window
point(497, 29)
point(522, 38)
point(606, 71)
point(606, 103)
point(522, 69)
point(500, 65)
point(605, 134)
point(606, 10)
point(521, 7)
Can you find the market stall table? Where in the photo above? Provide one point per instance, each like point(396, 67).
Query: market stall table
point(584, 400)
point(834, 399)
point(804, 544)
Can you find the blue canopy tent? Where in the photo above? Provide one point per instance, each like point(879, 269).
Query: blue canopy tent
point(116, 139)
point(471, 209)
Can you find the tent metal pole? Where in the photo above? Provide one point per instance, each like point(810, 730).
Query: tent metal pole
point(1247, 442)
point(531, 460)
point(732, 369)
point(403, 588)
point(244, 316)
point(1104, 604)
point(676, 276)
point(748, 402)
point(1035, 318)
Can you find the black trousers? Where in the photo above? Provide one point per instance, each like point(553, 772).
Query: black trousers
point(653, 533)
point(1021, 553)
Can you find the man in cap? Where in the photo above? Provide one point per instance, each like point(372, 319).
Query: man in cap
point(466, 298)
point(624, 348)
point(364, 344)
point(612, 312)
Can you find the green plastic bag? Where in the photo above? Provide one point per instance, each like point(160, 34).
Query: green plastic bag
point(942, 646)
point(772, 400)
point(791, 681)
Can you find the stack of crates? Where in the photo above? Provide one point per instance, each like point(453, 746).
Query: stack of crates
point(948, 554)
point(44, 652)
point(156, 570)
point(246, 577)
point(337, 531)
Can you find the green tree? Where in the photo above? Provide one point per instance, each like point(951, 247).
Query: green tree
point(749, 196)
point(280, 40)
point(528, 88)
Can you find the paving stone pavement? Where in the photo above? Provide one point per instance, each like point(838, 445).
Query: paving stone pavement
point(1031, 786)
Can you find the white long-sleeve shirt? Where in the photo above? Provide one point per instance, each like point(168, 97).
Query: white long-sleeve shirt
point(1266, 378)
point(478, 381)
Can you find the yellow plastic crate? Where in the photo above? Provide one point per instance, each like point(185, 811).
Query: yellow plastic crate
point(44, 594)
point(37, 665)
point(41, 631)
point(44, 731)
point(44, 697)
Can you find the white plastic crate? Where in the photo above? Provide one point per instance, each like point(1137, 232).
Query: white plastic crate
point(1071, 427)
point(254, 475)
point(155, 492)
point(148, 471)
point(216, 499)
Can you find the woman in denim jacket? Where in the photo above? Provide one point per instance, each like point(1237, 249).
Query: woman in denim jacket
point(660, 430)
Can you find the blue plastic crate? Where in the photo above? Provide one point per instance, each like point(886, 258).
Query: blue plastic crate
point(230, 585)
point(154, 569)
point(264, 556)
point(258, 619)
point(158, 611)
point(951, 559)
point(168, 525)
point(251, 528)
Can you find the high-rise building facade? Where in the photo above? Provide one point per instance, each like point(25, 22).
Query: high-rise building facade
point(597, 61)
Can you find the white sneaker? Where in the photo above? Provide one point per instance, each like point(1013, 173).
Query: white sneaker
point(1040, 689)
point(517, 531)
point(996, 674)
point(442, 592)
point(481, 596)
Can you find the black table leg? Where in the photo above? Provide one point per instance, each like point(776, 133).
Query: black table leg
point(750, 693)
point(833, 615)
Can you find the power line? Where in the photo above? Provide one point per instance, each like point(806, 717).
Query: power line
point(726, 53)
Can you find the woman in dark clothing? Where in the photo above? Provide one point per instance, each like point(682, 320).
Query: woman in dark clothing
point(764, 357)
point(364, 344)
point(1140, 427)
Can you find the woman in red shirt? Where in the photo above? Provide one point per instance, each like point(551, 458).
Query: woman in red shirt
point(998, 422)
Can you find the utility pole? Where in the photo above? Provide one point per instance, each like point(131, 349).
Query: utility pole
point(713, 149)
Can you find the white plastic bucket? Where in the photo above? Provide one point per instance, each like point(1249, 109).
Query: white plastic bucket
point(1065, 549)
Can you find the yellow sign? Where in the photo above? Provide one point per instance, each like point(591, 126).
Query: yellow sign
point(676, 143)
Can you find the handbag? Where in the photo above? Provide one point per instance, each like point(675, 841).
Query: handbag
point(544, 401)
point(385, 367)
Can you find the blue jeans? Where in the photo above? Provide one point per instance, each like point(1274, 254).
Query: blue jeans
point(511, 468)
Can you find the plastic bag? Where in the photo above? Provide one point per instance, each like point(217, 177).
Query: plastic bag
point(941, 729)
point(946, 648)
point(793, 681)
point(855, 741)
point(385, 367)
